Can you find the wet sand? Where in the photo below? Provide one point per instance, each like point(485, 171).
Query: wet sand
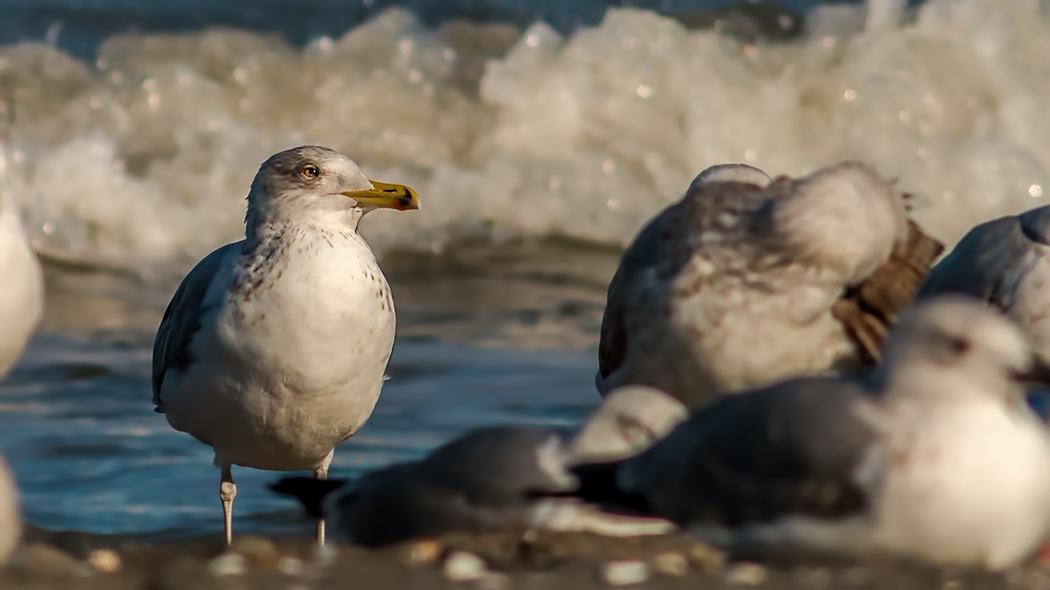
point(53, 560)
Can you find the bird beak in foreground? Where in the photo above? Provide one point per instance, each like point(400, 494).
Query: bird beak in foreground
point(387, 196)
point(1038, 372)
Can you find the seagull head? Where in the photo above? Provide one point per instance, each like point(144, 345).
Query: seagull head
point(1036, 224)
point(843, 217)
point(954, 343)
point(731, 173)
point(313, 182)
point(629, 421)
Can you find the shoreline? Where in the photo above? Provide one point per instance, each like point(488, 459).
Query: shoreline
point(555, 561)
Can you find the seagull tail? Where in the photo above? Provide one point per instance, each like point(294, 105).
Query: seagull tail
point(309, 491)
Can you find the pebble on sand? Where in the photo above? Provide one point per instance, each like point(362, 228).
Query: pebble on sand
point(746, 574)
point(464, 567)
point(228, 564)
point(625, 572)
point(707, 558)
point(259, 551)
point(671, 564)
point(424, 552)
point(105, 561)
point(290, 566)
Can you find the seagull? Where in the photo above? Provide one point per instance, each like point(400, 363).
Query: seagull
point(273, 349)
point(10, 520)
point(22, 298)
point(932, 457)
point(629, 420)
point(1006, 264)
point(495, 478)
point(21, 307)
point(746, 281)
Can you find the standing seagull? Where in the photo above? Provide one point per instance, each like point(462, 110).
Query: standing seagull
point(273, 349)
point(936, 458)
point(22, 297)
point(746, 281)
point(1005, 263)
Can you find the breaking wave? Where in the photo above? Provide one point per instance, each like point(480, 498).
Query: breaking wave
point(144, 156)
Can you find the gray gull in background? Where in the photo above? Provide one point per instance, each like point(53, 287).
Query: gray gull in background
point(1005, 263)
point(501, 478)
point(273, 349)
point(22, 296)
point(746, 281)
point(934, 458)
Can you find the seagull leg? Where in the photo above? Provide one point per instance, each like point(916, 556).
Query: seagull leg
point(321, 472)
point(227, 492)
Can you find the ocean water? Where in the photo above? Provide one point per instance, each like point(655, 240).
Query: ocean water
point(540, 136)
point(91, 455)
point(486, 336)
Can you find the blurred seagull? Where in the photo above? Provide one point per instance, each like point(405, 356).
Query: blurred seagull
point(10, 520)
point(501, 478)
point(273, 349)
point(21, 307)
point(936, 458)
point(628, 421)
point(746, 281)
point(1005, 263)
point(22, 297)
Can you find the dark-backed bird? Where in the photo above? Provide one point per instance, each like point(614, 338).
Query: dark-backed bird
point(934, 457)
point(492, 479)
point(1006, 264)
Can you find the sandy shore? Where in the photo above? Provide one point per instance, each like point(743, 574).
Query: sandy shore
point(49, 560)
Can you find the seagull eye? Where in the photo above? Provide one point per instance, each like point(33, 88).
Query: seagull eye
point(959, 346)
point(309, 172)
point(636, 433)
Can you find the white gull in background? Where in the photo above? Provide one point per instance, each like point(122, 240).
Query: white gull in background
point(10, 517)
point(22, 295)
point(501, 478)
point(273, 349)
point(746, 281)
point(21, 307)
point(936, 457)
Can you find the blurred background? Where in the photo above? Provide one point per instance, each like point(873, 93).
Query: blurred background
point(540, 134)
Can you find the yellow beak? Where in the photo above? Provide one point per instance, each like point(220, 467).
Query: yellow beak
point(386, 195)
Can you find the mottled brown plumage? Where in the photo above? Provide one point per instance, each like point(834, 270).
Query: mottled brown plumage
point(870, 309)
point(657, 250)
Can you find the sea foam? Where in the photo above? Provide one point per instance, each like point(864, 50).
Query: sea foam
point(145, 156)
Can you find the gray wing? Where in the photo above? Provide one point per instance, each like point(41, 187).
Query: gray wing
point(644, 252)
point(182, 318)
point(986, 264)
point(665, 245)
point(500, 465)
point(790, 449)
point(486, 480)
